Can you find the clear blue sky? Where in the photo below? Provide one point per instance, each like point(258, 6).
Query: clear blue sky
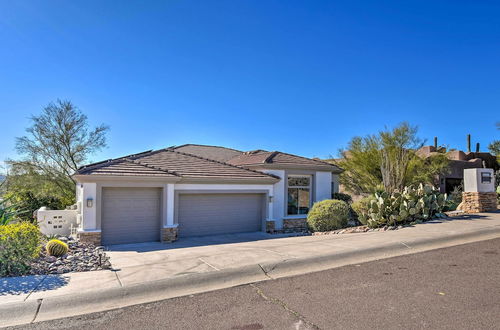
point(297, 76)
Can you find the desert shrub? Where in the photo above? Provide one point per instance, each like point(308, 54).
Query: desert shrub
point(414, 203)
point(9, 212)
point(450, 205)
point(328, 215)
point(361, 209)
point(56, 248)
point(342, 197)
point(29, 203)
point(19, 244)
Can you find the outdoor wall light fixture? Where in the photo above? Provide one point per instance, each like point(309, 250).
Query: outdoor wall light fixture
point(90, 202)
point(270, 199)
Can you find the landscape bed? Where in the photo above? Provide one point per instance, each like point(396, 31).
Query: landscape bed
point(81, 257)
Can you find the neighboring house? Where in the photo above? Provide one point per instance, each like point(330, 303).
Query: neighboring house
point(459, 161)
point(195, 190)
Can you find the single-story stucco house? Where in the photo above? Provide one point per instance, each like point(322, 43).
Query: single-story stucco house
point(196, 190)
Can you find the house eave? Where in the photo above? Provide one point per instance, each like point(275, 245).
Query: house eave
point(83, 178)
point(325, 168)
point(229, 180)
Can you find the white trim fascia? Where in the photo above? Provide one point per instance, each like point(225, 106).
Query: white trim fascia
point(86, 178)
point(326, 168)
point(181, 186)
point(80, 230)
point(269, 180)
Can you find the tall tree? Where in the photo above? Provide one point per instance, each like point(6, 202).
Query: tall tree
point(388, 161)
point(58, 141)
point(494, 146)
point(398, 148)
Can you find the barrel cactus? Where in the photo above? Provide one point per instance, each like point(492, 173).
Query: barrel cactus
point(328, 215)
point(56, 248)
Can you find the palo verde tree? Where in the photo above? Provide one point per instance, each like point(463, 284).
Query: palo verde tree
point(58, 141)
point(389, 161)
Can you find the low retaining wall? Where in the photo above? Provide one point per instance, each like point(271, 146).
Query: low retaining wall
point(91, 237)
point(474, 202)
point(294, 225)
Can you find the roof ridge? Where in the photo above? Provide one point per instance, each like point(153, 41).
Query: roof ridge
point(316, 160)
point(152, 167)
point(96, 165)
point(204, 145)
point(112, 159)
point(223, 163)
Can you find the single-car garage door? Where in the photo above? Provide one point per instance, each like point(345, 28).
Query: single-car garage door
point(130, 215)
point(211, 214)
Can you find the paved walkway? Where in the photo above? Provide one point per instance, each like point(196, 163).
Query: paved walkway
point(139, 263)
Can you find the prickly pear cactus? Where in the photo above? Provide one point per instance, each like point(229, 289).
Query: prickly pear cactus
point(413, 203)
point(56, 248)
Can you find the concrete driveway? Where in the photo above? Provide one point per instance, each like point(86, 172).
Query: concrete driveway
point(135, 263)
point(153, 271)
point(138, 263)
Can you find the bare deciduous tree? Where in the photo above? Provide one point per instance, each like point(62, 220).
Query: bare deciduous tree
point(58, 142)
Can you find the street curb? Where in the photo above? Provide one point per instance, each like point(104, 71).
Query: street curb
point(18, 313)
point(298, 266)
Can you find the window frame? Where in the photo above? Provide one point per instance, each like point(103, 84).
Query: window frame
point(308, 187)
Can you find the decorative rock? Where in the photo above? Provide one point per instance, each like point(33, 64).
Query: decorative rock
point(81, 257)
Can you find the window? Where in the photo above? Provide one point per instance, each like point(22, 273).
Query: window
point(299, 194)
point(333, 189)
point(485, 177)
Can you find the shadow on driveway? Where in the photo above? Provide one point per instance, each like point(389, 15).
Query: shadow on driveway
point(189, 242)
point(199, 241)
point(26, 284)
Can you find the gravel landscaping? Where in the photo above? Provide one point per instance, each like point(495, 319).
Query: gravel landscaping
point(365, 229)
point(80, 258)
point(357, 229)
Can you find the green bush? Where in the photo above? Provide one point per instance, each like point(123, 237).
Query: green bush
point(56, 248)
point(342, 197)
point(29, 203)
point(328, 215)
point(19, 244)
point(9, 212)
point(361, 209)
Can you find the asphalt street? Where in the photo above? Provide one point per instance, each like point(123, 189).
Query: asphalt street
point(450, 288)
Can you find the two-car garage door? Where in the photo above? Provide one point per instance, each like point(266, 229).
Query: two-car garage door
point(132, 215)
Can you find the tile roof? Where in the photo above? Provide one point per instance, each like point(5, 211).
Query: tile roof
point(262, 157)
point(170, 163)
point(123, 167)
point(217, 153)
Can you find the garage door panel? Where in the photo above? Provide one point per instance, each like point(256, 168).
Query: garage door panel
point(211, 214)
point(130, 215)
